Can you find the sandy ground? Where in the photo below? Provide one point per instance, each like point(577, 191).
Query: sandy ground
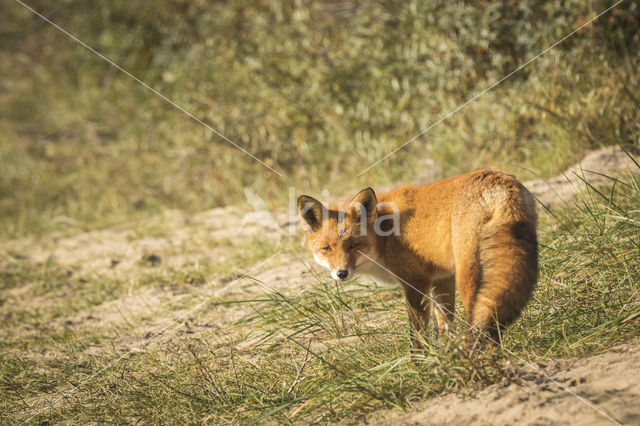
point(610, 381)
point(608, 384)
point(597, 166)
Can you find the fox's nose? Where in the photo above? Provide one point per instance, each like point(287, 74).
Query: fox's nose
point(342, 274)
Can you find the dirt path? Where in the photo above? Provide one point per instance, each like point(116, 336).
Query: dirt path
point(609, 381)
point(561, 190)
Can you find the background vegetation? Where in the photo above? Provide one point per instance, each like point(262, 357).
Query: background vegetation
point(318, 90)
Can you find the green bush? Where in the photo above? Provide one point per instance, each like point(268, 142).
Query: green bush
point(317, 90)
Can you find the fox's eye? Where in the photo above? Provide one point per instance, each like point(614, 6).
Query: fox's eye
point(327, 248)
point(354, 246)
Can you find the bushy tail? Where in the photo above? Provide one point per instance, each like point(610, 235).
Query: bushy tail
point(508, 258)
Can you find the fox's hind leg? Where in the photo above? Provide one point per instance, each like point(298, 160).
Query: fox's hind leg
point(444, 295)
point(468, 277)
point(419, 310)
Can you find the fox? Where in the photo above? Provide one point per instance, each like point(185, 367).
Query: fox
point(474, 233)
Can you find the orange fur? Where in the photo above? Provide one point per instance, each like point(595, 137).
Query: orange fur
point(475, 232)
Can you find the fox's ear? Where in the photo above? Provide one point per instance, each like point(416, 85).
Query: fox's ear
point(310, 211)
point(364, 203)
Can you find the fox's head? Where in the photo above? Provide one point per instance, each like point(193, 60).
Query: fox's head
point(342, 236)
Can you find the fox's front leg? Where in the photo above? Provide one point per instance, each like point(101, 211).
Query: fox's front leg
point(419, 310)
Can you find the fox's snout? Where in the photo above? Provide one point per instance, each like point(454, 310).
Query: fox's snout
point(337, 273)
point(340, 274)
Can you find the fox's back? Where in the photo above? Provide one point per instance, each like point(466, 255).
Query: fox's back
point(433, 216)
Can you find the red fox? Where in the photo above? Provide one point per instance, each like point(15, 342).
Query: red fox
point(475, 232)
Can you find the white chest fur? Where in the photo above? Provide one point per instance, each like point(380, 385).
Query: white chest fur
point(377, 273)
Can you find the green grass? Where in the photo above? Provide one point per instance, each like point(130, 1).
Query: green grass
point(328, 352)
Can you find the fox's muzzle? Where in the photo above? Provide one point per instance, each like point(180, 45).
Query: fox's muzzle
point(340, 274)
